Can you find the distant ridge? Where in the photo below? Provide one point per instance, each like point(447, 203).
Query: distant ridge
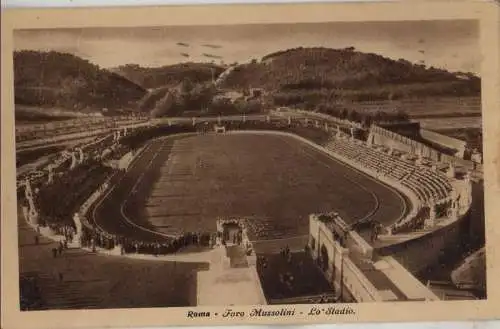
point(350, 74)
point(304, 77)
point(170, 75)
point(48, 80)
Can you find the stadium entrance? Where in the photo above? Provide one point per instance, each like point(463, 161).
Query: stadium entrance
point(230, 231)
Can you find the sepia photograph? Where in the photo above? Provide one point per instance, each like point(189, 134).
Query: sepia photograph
point(271, 164)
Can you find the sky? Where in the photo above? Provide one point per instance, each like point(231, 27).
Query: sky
point(452, 45)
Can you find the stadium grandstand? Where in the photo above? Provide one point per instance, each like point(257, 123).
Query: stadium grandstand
point(423, 187)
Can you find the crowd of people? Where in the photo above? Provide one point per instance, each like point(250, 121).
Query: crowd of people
point(57, 202)
point(417, 222)
point(93, 238)
point(139, 136)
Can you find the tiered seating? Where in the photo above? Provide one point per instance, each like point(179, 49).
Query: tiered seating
point(67, 127)
point(348, 150)
point(58, 202)
point(425, 183)
point(428, 184)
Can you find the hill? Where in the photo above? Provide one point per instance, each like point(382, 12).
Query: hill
point(179, 99)
point(315, 75)
point(170, 75)
point(58, 80)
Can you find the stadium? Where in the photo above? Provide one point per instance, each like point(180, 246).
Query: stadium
point(294, 175)
point(242, 193)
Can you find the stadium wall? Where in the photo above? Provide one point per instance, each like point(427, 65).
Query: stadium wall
point(445, 141)
point(382, 136)
point(435, 243)
point(442, 240)
point(341, 269)
point(339, 266)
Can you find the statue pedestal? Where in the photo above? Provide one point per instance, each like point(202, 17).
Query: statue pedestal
point(219, 258)
point(117, 250)
point(252, 259)
point(33, 218)
point(75, 243)
point(46, 231)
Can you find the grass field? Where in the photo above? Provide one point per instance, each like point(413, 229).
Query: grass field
point(274, 182)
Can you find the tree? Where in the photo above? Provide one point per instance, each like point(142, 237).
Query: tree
point(367, 119)
point(166, 106)
point(186, 86)
point(402, 116)
point(343, 114)
point(353, 115)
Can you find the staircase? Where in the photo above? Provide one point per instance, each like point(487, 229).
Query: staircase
point(69, 294)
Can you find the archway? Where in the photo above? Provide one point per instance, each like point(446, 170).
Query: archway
point(231, 233)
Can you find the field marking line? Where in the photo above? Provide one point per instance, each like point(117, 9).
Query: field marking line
point(134, 162)
point(321, 150)
point(374, 196)
point(99, 203)
point(132, 191)
point(393, 189)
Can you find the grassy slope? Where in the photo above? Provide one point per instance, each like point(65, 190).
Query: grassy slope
point(319, 74)
point(170, 75)
point(57, 80)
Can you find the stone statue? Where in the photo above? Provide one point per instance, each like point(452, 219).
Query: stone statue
point(451, 171)
point(73, 161)
point(78, 224)
point(50, 179)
